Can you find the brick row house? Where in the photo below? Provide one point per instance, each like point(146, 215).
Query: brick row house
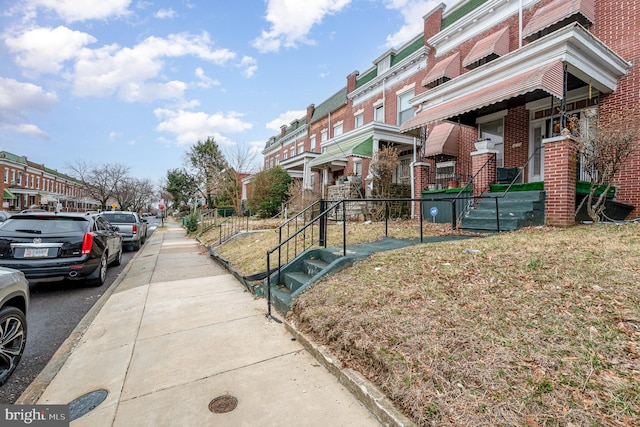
point(489, 81)
point(27, 184)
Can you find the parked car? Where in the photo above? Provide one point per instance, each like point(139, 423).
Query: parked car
point(4, 216)
point(132, 228)
point(49, 246)
point(14, 304)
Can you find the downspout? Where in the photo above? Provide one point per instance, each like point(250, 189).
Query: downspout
point(413, 184)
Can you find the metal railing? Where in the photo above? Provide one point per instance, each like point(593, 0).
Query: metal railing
point(313, 233)
point(231, 226)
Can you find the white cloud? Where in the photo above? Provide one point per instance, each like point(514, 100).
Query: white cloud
point(16, 99)
point(189, 127)
point(45, 49)
point(25, 128)
point(83, 10)
point(249, 65)
point(205, 81)
point(165, 14)
point(413, 12)
point(285, 119)
point(103, 71)
point(19, 96)
point(292, 20)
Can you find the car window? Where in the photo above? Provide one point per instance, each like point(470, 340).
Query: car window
point(40, 225)
point(120, 218)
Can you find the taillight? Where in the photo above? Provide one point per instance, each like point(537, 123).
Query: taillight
point(87, 243)
point(134, 229)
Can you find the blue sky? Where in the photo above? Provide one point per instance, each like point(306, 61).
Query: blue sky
point(137, 82)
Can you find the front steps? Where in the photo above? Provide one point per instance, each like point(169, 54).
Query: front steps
point(517, 209)
point(309, 267)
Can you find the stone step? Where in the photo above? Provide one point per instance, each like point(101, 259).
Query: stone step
point(294, 280)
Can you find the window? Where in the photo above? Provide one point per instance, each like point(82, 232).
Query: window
point(359, 120)
point(278, 160)
point(292, 151)
point(38, 183)
point(337, 129)
point(378, 113)
point(6, 175)
point(300, 148)
point(13, 177)
point(313, 143)
point(323, 136)
point(494, 131)
point(19, 178)
point(357, 167)
point(405, 109)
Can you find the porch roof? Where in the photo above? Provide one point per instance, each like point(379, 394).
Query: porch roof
point(443, 139)
point(358, 147)
point(8, 195)
point(543, 81)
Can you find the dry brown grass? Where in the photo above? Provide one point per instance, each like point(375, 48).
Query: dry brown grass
point(541, 327)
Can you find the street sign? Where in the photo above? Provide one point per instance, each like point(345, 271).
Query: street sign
point(114, 205)
point(161, 207)
point(433, 211)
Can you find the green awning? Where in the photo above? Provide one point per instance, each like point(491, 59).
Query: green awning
point(9, 195)
point(50, 197)
point(358, 148)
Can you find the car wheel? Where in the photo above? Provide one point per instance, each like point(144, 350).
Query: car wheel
point(118, 259)
point(136, 245)
point(13, 336)
point(101, 273)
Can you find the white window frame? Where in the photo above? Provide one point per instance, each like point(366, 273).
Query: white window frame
point(403, 100)
point(378, 113)
point(337, 129)
point(313, 143)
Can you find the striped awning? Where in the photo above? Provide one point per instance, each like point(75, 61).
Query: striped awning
point(447, 68)
point(497, 44)
point(9, 195)
point(443, 139)
point(557, 11)
point(336, 152)
point(547, 79)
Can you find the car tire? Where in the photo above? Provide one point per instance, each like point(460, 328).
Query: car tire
point(13, 337)
point(118, 259)
point(100, 273)
point(136, 245)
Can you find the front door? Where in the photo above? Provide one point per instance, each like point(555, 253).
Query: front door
point(536, 151)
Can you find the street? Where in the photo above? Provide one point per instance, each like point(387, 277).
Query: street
point(56, 309)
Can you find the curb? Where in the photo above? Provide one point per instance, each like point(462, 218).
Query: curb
point(365, 391)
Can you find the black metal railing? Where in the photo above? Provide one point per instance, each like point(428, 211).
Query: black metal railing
point(231, 226)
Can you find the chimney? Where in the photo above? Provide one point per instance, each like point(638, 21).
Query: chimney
point(283, 130)
point(351, 81)
point(310, 109)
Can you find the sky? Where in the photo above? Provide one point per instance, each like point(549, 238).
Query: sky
point(136, 83)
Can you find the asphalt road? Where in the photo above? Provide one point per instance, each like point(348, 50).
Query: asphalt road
point(56, 309)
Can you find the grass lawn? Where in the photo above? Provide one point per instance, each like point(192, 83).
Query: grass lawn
point(539, 327)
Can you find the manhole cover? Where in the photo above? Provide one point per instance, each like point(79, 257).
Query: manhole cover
point(222, 404)
point(85, 403)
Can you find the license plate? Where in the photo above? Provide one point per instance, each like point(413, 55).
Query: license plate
point(36, 252)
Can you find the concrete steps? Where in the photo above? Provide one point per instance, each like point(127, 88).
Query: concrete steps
point(515, 210)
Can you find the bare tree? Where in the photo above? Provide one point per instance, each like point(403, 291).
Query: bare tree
point(99, 181)
point(133, 193)
point(242, 159)
point(603, 143)
point(385, 162)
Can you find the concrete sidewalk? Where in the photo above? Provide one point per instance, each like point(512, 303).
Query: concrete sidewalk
point(178, 330)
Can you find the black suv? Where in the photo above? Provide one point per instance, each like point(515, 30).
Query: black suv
point(53, 246)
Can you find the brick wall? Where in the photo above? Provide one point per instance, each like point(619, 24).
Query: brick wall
point(560, 182)
point(618, 25)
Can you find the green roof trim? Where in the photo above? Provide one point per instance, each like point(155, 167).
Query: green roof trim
point(460, 12)
point(366, 78)
point(8, 195)
point(411, 48)
point(365, 148)
point(341, 151)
